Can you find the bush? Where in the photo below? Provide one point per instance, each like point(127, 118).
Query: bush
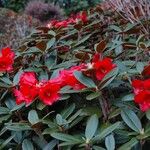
point(43, 11)
point(15, 27)
point(85, 85)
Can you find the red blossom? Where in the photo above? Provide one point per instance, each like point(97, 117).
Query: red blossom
point(49, 92)
point(26, 94)
point(74, 19)
point(68, 78)
point(28, 78)
point(142, 93)
point(102, 67)
point(82, 16)
point(6, 59)
point(28, 89)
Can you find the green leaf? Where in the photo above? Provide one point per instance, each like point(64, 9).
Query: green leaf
point(4, 110)
point(50, 43)
point(93, 95)
point(65, 137)
point(84, 80)
point(18, 126)
point(148, 114)
point(140, 39)
point(17, 77)
point(59, 119)
point(106, 132)
point(91, 110)
point(18, 136)
point(75, 122)
point(51, 60)
point(43, 76)
point(39, 141)
point(40, 106)
point(6, 142)
point(91, 127)
point(27, 145)
point(10, 103)
point(33, 117)
point(6, 80)
point(31, 50)
point(68, 143)
point(67, 112)
point(129, 27)
point(51, 32)
point(110, 142)
point(98, 148)
point(139, 67)
point(83, 40)
point(116, 28)
point(51, 145)
point(129, 145)
point(74, 116)
point(4, 85)
point(132, 120)
point(4, 118)
point(109, 78)
point(18, 107)
point(129, 97)
point(146, 134)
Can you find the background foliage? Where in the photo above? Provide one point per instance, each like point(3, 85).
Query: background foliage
point(69, 6)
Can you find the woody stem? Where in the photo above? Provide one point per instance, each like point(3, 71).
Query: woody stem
point(104, 107)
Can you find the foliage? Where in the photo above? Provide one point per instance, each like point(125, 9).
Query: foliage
point(69, 6)
point(15, 5)
point(104, 55)
point(74, 6)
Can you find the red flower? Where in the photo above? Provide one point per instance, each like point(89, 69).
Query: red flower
point(28, 89)
point(48, 92)
point(82, 16)
point(142, 93)
point(26, 94)
point(143, 99)
point(102, 67)
point(57, 24)
point(6, 59)
point(72, 20)
point(61, 24)
point(68, 77)
point(28, 78)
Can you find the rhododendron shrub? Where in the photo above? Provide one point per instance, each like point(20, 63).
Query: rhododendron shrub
point(80, 83)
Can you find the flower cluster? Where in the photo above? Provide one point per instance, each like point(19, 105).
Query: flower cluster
point(6, 59)
point(28, 89)
point(74, 19)
point(101, 66)
point(48, 91)
point(142, 93)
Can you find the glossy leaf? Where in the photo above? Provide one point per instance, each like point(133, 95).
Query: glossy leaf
point(132, 120)
point(91, 127)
